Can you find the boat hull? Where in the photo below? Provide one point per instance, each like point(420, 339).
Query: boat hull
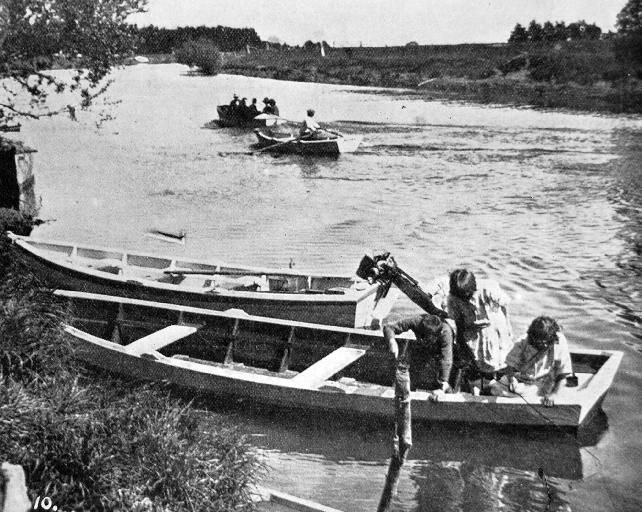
point(323, 303)
point(336, 146)
point(243, 356)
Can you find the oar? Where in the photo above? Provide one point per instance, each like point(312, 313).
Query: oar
point(186, 272)
point(272, 146)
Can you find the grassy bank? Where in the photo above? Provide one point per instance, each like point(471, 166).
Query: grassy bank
point(92, 442)
point(576, 75)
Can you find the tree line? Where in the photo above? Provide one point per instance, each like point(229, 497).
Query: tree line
point(549, 32)
point(153, 39)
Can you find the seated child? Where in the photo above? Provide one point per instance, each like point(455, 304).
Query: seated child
point(537, 363)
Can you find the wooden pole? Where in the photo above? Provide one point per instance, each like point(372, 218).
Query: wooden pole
point(13, 494)
point(402, 440)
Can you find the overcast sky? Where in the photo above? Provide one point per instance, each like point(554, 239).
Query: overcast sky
point(379, 22)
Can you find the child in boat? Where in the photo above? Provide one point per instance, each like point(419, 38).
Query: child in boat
point(432, 347)
point(537, 363)
point(479, 315)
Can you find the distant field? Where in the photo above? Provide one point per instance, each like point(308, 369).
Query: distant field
point(578, 75)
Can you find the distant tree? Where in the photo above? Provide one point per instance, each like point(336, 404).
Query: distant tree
point(629, 20)
point(202, 54)
point(412, 43)
point(518, 35)
point(309, 46)
point(561, 31)
point(88, 36)
point(592, 31)
point(535, 33)
point(628, 43)
point(548, 32)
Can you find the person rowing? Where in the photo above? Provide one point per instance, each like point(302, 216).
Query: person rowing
point(311, 130)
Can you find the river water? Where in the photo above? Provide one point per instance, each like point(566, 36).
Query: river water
point(547, 203)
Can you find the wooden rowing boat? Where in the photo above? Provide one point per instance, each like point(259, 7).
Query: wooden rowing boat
point(291, 144)
point(280, 293)
point(228, 117)
point(297, 364)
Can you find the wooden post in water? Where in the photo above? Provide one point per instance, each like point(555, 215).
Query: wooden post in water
point(402, 440)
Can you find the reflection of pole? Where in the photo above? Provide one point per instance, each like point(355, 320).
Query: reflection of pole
point(402, 440)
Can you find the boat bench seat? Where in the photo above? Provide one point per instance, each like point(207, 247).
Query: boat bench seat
point(160, 339)
point(330, 365)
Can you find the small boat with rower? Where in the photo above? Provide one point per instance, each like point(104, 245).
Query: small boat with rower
point(326, 144)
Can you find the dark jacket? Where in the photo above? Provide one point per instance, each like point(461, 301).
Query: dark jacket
point(434, 340)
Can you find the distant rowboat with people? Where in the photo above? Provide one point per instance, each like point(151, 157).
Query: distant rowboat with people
point(229, 117)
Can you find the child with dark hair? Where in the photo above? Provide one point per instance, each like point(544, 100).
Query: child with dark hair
point(538, 362)
point(480, 317)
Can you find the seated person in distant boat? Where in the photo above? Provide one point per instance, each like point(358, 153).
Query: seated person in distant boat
point(274, 109)
point(253, 110)
point(429, 358)
point(309, 126)
point(235, 101)
point(267, 109)
point(484, 334)
point(537, 363)
point(244, 109)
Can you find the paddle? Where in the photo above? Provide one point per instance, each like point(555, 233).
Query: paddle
point(272, 146)
point(190, 271)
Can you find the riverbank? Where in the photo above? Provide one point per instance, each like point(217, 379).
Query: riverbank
point(88, 441)
point(570, 75)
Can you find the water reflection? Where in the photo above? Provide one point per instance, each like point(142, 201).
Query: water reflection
point(450, 467)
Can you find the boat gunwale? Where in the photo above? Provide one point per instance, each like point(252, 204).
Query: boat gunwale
point(229, 313)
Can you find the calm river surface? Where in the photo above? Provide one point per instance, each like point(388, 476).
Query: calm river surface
point(548, 203)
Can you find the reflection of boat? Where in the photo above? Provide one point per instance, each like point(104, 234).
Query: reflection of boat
point(279, 293)
point(229, 117)
point(296, 364)
point(324, 146)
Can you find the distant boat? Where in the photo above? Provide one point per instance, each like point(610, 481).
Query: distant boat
point(281, 293)
point(229, 117)
point(299, 364)
point(10, 127)
point(141, 59)
point(291, 144)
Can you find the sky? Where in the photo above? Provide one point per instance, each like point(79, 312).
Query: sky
point(378, 22)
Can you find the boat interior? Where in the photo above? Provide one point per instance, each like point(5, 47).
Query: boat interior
point(193, 274)
point(308, 353)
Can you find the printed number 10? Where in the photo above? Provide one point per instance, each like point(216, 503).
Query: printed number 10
point(45, 504)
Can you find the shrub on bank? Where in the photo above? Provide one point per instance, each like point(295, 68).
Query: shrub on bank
point(94, 443)
point(13, 220)
point(202, 54)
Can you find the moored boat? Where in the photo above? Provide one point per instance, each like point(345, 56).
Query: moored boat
point(10, 127)
point(301, 365)
point(281, 293)
point(324, 146)
point(229, 117)
point(277, 501)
